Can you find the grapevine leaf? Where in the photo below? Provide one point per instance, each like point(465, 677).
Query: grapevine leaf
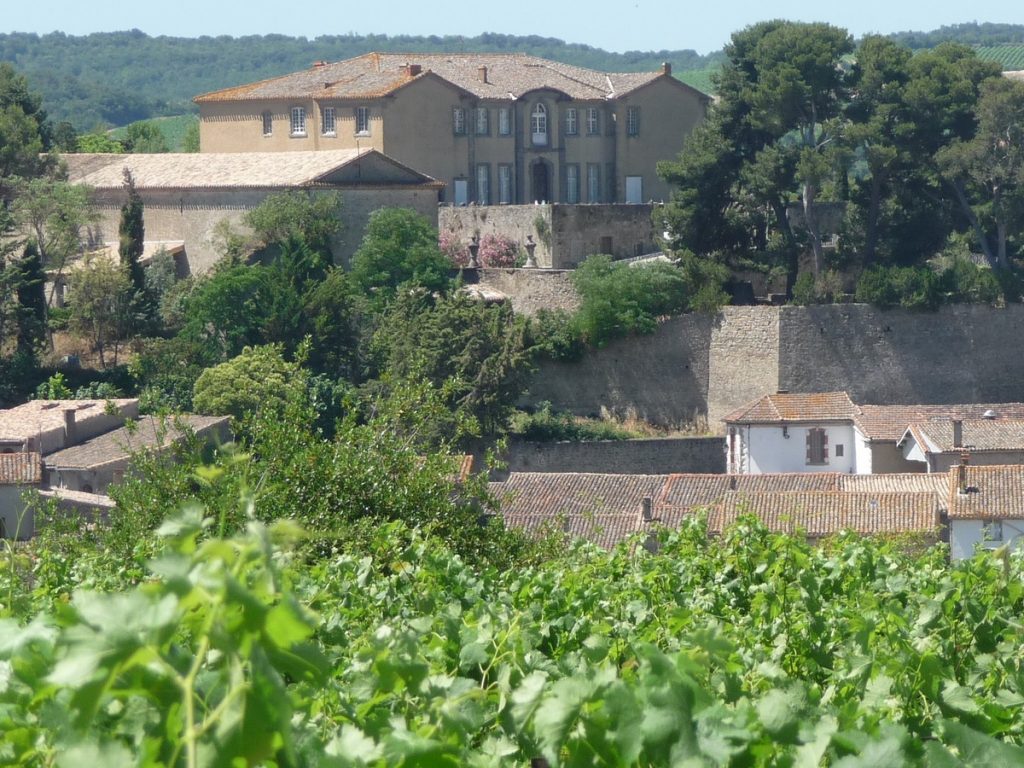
point(976, 748)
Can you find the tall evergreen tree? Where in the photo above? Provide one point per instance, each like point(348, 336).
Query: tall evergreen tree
point(30, 280)
point(131, 234)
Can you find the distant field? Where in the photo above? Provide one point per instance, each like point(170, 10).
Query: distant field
point(698, 78)
point(173, 129)
point(1011, 56)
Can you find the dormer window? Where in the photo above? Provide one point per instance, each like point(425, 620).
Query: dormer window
point(539, 124)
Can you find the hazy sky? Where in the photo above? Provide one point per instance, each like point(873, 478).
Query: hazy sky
point(616, 26)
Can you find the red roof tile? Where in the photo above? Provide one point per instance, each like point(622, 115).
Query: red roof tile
point(796, 407)
point(508, 76)
point(993, 492)
point(20, 469)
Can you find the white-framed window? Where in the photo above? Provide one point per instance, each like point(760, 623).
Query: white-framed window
point(632, 121)
point(268, 123)
point(504, 121)
point(482, 127)
point(572, 183)
point(539, 124)
point(363, 121)
point(571, 123)
point(459, 121)
point(298, 122)
point(329, 122)
point(593, 121)
point(504, 183)
point(593, 183)
point(483, 184)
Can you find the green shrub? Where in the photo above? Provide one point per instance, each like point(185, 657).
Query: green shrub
point(546, 426)
point(554, 334)
point(965, 281)
point(908, 287)
point(617, 299)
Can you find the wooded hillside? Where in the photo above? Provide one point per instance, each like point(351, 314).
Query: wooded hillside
point(115, 78)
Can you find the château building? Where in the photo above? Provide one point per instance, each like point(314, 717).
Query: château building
point(495, 128)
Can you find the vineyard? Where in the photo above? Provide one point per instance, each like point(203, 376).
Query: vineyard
point(1010, 57)
point(752, 650)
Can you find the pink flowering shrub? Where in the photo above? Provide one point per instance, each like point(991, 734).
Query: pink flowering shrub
point(452, 247)
point(498, 251)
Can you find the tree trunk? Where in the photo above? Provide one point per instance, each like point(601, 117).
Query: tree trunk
point(811, 222)
point(972, 217)
point(792, 254)
point(871, 225)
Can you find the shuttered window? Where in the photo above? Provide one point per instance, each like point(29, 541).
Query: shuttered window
point(817, 446)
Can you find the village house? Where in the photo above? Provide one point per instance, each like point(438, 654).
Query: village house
point(187, 196)
point(70, 451)
point(495, 128)
point(827, 431)
point(985, 508)
point(941, 443)
point(93, 465)
point(19, 472)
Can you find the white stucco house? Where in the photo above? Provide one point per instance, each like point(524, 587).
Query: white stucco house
point(985, 508)
point(828, 432)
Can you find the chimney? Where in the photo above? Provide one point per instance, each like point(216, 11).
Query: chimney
point(647, 509)
point(666, 68)
point(958, 433)
point(961, 473)
point(481, 73)
point(69, 427)
point(412, 69)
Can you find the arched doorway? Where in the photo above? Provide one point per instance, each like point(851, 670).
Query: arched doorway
point(541, 178)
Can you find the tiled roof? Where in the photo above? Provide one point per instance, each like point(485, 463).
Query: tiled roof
point(221, 170)
point(908, 482)
point(994, 492)
point(795, 407)
point(823, 513)
point(78, 500)
point(119, 444)
point(605, 530)
point(601, 508)
point(373, 75)
point(37, 416)
point(889, 422)
point(936, 436)
point(20, 469)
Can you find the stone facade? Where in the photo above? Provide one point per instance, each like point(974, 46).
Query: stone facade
point(565, 234)
point(529, 290)
point(495, 128)
point(709, 365)
point(192, 216)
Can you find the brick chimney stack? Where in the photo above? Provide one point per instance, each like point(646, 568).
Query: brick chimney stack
point(958, 433)
point(481, 73)
point(412, 69)
point(666, 68)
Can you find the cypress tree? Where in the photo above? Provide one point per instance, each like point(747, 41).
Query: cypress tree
point(131, 234)
point(30, 282)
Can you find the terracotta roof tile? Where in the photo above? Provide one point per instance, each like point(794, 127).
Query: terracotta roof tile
point(979, 435)
point(993, 492)
point(20, 469)
point(890, 422)
point(219, 170)
point(508, 76)
point(795, 407)
point(829, 512)
point(147, 433)
point(601, 508)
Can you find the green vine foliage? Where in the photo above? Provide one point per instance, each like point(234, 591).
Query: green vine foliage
point(755, 649)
